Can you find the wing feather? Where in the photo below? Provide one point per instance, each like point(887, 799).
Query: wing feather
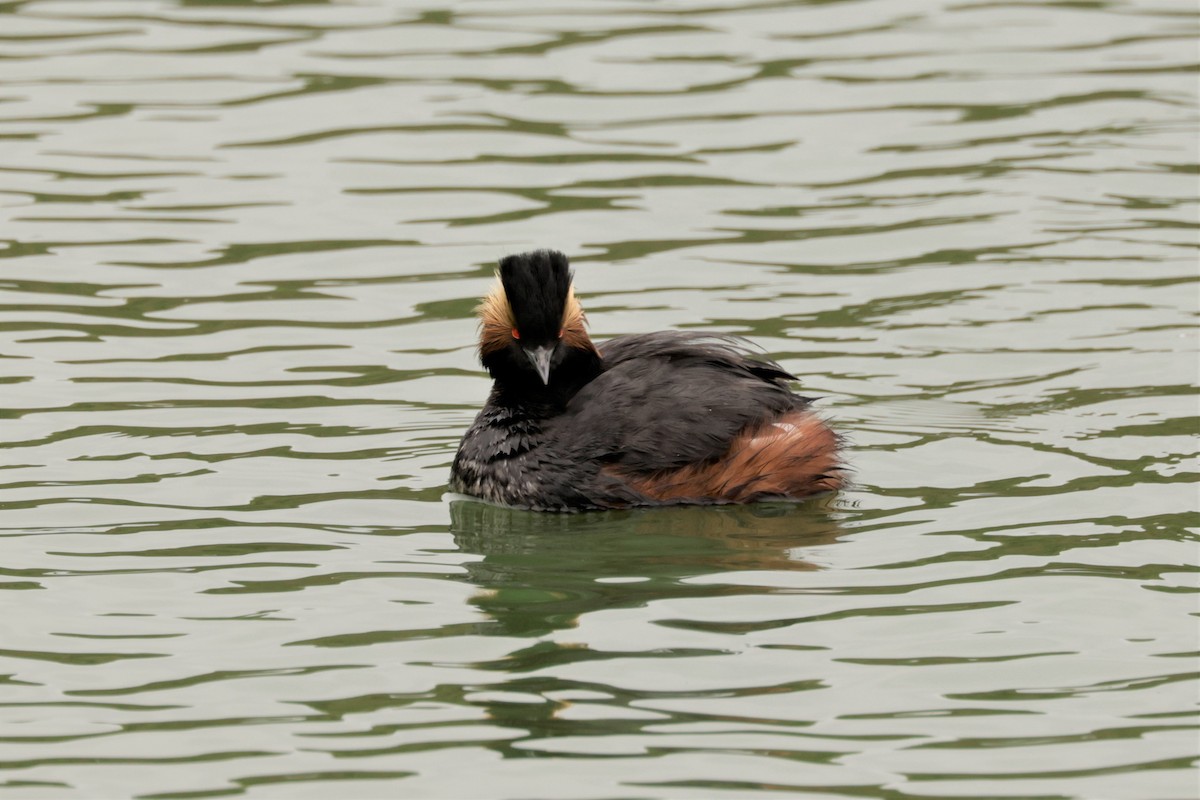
point(673, 398)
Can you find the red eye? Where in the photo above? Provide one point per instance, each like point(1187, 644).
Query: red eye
point(516, 333)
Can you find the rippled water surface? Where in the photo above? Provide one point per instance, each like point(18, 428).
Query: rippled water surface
point(240, 248)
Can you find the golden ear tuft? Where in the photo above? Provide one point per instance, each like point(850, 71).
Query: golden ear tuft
point(497, 326)
point(574, 324)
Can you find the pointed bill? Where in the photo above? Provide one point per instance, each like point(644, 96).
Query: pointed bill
point(540, 356)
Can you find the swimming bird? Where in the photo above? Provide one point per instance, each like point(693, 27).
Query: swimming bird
point(644, 419)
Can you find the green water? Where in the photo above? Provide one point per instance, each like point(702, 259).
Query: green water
point(240, 247)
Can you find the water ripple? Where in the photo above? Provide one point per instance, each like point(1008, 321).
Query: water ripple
point(242, 245)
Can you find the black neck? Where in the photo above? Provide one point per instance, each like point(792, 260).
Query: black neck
point(519, 388)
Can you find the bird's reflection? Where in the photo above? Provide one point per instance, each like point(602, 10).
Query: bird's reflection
point(540, 572)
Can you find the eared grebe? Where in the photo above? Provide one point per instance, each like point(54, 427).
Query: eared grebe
point(648, 419)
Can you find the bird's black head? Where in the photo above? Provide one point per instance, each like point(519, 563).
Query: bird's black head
point(532, 335)
point(537, 286)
